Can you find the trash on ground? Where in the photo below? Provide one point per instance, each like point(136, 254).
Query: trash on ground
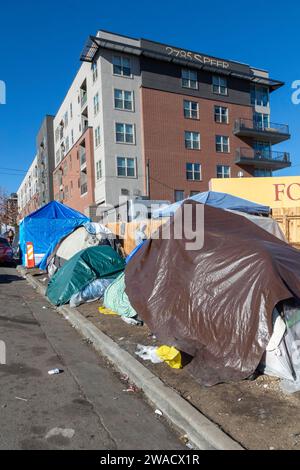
point(158, 412)
point(158, 354)
point(22, 399)
point(133, 321)
point(107, 311)
point(55, 371)
point(64, 432)
point(132, 388)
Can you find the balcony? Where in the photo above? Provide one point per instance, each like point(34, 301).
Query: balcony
point(83, 99)
point(262, 158)
point(270, 132)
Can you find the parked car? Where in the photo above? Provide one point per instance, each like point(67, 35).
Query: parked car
point(6, 252)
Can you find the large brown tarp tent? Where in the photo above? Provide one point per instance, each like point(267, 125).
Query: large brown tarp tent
point(214, 303)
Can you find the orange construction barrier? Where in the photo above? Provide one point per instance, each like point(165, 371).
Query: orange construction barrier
point(30, 255)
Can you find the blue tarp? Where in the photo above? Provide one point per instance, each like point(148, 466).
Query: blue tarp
point(220, 200)
point(45, 227)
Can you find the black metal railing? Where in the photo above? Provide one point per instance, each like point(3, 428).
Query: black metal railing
point(246, 153)
point(258, 125)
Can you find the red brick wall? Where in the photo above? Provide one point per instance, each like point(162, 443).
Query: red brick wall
point(70, 166)
point(163, 140)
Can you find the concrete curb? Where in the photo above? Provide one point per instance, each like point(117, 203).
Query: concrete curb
point(202, 433)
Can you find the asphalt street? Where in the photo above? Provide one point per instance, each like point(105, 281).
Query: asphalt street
point(85, 406)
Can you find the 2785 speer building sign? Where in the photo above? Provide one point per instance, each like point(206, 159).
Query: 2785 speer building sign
point(202, 59)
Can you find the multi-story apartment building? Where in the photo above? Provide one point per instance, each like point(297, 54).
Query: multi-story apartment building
point(36, 188)
point(167, 120)
point(28, 196)
point(143, 118)
point(45, 161)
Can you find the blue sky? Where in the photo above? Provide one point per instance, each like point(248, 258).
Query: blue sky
point(40, 45)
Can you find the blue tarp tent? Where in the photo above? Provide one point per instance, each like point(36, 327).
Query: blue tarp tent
point(45, 227)
point(220, 200)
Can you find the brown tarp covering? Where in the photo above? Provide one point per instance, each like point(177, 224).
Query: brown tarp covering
point(215, 303)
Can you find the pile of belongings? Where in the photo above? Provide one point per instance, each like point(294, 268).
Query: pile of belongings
point(216, 302)
point(83, 269)
point(85, 236)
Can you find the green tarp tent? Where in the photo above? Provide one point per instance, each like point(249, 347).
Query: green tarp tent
point(97, 262)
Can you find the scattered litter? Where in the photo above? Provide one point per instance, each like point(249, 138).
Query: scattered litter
point(170, 355)
point(189, 445)
point(19, 398)
point(266, 386)
point(67, 432)
point(158, 412)
point(271, 448)
point(132, 388)
point(106, 311)
point(124, 377)
point(156, 355)
point(148, 353)
point(239, 399)
point(121, 339)
point(44, 308)
point(55, 371)
point(133, 321)
point(44, 279)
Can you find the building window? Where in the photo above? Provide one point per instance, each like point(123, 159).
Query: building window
point(259, 95)
point(189, 79)
point(262, 172)
point(126, 167)
point(57, 157)
point(72, 136)
point(193, 171)
point(223, 171)
point(219, 85)
point(57, 134)
point(123, 100)
point(178, 195)
point(83, 183)
point(121, 66)
point(221, 114)
point(66, 119)
point(96, 104)
point(222, 143)
point(261, 121)
point(71, 111)
point(67, 143)
point(97, 136)
point(94, 71)
point(192, 140)
point(194, 193)
point(124, 133)
point(99, 170)
point(191, 109)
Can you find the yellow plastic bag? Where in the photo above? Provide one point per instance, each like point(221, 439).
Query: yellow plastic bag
point(170, 355)
point(106, 311)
